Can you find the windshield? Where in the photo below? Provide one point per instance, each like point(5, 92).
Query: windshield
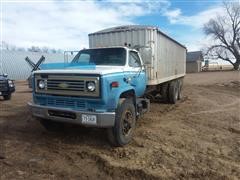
point(105, 56)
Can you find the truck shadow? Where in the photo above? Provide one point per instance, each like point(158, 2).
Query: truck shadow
point(73, 134)
point(30, 131)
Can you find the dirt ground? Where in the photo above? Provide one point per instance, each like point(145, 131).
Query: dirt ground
point(199, 137)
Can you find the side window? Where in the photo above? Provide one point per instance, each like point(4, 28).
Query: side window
point(84, 58)
point(133, 59)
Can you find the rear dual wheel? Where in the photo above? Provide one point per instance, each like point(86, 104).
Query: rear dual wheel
point(174, 91)
point(180, 84)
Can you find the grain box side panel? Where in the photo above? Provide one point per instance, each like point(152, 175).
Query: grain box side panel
point(171, 60)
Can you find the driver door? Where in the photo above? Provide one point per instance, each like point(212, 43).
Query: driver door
point(138, 76)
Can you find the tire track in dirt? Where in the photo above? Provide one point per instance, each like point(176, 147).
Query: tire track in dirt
point(114, 170)
point(221, 108)
point(171, 142)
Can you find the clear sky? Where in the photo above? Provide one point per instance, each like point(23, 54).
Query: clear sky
point(65, 24)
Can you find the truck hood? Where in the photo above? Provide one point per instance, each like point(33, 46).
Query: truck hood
point(82, 69)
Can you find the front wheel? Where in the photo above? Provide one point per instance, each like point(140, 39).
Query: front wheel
point(7, 97)
point(125, 121)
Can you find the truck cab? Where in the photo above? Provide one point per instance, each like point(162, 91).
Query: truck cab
point(100, 87)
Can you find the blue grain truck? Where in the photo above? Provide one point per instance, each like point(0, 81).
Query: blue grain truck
point(110, 85)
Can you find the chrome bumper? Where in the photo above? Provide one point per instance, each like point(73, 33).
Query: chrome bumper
point(105, 119)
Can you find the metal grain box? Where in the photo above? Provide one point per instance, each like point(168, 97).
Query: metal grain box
point(164, 57)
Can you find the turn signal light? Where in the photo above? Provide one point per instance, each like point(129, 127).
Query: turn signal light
point(114, 84)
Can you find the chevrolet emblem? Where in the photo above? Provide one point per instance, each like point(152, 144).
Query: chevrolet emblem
point(63, 85)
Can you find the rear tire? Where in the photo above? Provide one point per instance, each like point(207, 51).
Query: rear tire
point(125, 121)
point(7, 97)
point(173, 92)
point(164, 92)
point(51, 125)
point(180, 84)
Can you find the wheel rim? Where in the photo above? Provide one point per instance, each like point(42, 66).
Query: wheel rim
point(127, 123)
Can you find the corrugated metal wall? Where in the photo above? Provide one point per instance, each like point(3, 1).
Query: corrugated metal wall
point(14, 64)
point(193, 66)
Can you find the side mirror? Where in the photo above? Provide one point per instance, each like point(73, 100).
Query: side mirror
point(5, 75)
point(144, 67)
point(146, 54)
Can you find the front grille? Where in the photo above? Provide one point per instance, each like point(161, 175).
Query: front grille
point(67, 85)
point(3, 85)
point(70, 85)
point(60, 102)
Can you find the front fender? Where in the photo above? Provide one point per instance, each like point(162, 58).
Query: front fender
point(110, 94)
point(121, 91)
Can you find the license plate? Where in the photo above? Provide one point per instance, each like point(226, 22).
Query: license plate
point(89, 119)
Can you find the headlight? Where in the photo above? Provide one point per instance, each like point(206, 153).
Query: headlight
point(10, 83)
point(41, 84)
point(91, 86)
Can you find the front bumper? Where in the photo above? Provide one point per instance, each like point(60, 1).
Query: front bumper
point(104, 119)
point(7, 91)
point(12, 89)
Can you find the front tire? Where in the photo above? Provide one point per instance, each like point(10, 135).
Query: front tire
point(125, 122)
point(7, 97)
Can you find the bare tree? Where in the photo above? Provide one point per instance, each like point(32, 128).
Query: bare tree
point(34, 49)
point(21, 49)
point(45, 49)
point(54, 51)
point(225, 33)
point(5, 45)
